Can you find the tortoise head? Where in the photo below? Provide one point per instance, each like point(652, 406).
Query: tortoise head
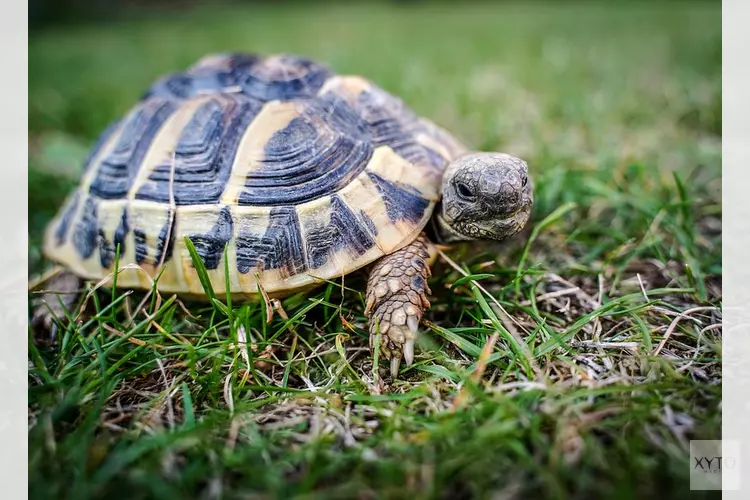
point(485, 196)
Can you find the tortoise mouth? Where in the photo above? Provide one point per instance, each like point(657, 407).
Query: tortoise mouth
point(521, 210)
point(496, 229)
point(492, 227)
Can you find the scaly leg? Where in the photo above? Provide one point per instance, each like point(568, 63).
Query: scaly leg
point(397, 297)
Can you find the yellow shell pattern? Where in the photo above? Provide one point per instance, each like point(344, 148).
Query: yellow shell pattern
point(294, 174)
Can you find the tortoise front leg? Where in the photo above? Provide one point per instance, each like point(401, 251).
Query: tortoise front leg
point(397, 297)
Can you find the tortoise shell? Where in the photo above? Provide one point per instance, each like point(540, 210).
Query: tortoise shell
point(292, 173)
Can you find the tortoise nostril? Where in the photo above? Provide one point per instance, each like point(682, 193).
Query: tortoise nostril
point(524, 180)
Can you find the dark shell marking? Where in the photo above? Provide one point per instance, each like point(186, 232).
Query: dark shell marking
point(401, 202)
point(283, 246)
point(141, 242)
point(166, 234)
point(204, 154)
point(86, 230)
point(107, 249)
point(342, 231)
point(210, 246)
point(219, 75)
point(390, 123)
point(99, 144)
point(61, 232)
point(114, 175)
point(280, 77)
point(318, 153)
point(285, 77)
point(280, 247)
point(122, 230)
point(141, 245)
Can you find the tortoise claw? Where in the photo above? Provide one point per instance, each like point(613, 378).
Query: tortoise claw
point(413, 323)
point(409, 352)
point(370, 305)
point(395, 365)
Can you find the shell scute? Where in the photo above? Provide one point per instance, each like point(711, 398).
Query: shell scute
point(401, 202)
point(278, 77)
point(108, 247)
point(210, 245)
point(86, 230)
point(116, 173)
point(198, 170)
point(280, 247)
point(315, 154)
point(344, 231)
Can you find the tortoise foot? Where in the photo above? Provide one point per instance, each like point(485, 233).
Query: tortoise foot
point(396, 300)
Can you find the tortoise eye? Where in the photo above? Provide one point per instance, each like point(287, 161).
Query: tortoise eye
point(524, 180)
point(464, 191)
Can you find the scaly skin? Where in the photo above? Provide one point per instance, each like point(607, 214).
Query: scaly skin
point(397, 293)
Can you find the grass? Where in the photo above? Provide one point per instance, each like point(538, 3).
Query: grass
point(606, 364)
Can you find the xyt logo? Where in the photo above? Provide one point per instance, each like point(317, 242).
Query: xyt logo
point(713, 464)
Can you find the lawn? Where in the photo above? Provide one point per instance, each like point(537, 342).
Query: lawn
point(578, 359)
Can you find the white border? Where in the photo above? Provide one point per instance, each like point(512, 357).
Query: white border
point(736, 234)
point(14, 249)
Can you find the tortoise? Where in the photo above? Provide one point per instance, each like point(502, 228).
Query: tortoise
point(295, 175)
